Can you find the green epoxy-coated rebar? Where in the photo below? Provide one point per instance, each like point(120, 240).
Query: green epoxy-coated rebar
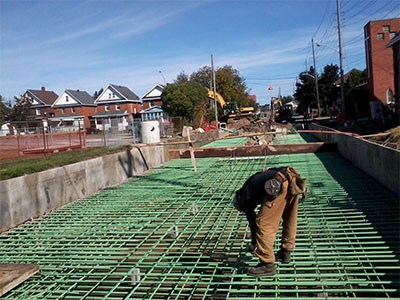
point(347, 246)
point(240, 141)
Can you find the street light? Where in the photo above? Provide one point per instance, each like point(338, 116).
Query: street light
point(162, 76)
point(316, 79)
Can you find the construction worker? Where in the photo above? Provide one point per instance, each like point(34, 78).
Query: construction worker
point(277, 190)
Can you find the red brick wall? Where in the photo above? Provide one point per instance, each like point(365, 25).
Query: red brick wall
point(44, 112)
point(129, 107)
point(379, 58)
point(86, 111)
point(146, 104)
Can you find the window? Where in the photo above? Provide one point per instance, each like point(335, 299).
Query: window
point(107, 107)
point(117, 106)
point(62, 110)
point(392, 34)
point(38, 112)
point(380, 36)
point(66, 99)
point(72, 109)
point(386, 28)
point(52, 115)
point(389, 96)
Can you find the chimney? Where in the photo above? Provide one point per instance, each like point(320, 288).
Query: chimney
point(43, 88)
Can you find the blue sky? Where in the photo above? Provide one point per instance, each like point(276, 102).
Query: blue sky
point(87, 44)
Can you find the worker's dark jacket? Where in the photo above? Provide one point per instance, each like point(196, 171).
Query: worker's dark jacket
point(253, 193)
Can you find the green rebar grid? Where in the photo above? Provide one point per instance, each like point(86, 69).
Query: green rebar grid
point(180, 231)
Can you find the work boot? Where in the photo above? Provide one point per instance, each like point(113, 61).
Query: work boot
point(262, 269)
point(283, 256)
point(251, 247)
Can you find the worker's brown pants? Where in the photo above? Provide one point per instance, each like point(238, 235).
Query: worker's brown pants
point(271, 212)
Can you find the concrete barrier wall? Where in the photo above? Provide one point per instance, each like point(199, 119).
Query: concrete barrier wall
point(380, 162)
point(31, 196)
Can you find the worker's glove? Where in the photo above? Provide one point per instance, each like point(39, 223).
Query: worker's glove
point(297, 184)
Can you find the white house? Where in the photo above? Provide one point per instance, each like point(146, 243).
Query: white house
point(116, 107)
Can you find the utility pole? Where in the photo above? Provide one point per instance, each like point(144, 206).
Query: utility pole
point(340, 57)
point(316, 79)
point(214, 91)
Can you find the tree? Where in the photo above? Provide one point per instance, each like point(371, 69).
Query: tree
point(3, 111)
point(180, 98)
point(20, 111)
point(357, 103)
point(203, 77)
point(229, 84)
point(188, 100)
point(181, 78)
point(97, 93)
point(327, 88)
point(305, 93)
point(232, 86)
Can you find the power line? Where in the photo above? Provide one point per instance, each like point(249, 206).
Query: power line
point(389, 12)
point(369, 4)
point(287, 76)
point(323, 17)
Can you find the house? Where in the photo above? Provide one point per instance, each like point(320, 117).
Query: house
point(152, 113)
point(73, 109)
point(156, 113)
point(153, 97)
point(116, 107)
point(41, 101)
point(379, 59)
point(253, 98)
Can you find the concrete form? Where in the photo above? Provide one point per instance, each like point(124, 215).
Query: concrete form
point(380, 162)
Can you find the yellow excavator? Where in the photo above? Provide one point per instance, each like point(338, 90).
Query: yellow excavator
point(282, 113)
point(231, 110)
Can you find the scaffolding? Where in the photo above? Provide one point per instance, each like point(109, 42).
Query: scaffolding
point(174, 234)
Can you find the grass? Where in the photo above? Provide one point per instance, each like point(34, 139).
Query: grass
point(36, 164)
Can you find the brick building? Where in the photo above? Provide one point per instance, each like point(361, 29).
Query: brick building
point(116, 107)
point(153, 97)
point(73, 108)
point(41, 102)
point(379, 59)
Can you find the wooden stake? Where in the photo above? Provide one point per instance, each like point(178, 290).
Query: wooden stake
point(192, 157)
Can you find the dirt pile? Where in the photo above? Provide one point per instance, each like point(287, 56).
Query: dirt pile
point(389, 138)
point(244, 125)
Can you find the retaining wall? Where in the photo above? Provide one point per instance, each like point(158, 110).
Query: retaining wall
point(380, 162)
point(33, 195)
